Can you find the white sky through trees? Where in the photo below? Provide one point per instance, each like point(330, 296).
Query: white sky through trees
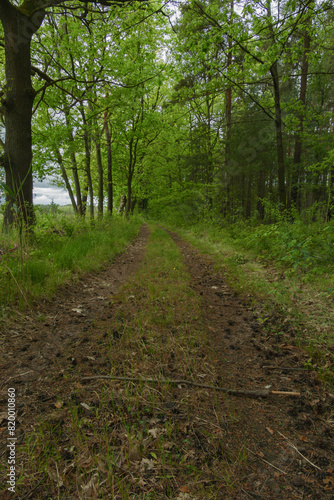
point(45, 193)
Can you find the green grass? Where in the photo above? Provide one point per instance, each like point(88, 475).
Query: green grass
point(60, 248)
point(290, 295)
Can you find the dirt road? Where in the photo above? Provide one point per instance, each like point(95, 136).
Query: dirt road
point(278, 447)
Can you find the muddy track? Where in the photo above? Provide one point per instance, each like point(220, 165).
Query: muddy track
point(289, 442)
point(55, 336)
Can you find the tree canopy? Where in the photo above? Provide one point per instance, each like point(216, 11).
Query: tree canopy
point(190, 109)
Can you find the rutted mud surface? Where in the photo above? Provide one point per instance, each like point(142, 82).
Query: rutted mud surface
point(52, 340)
point(289, 441)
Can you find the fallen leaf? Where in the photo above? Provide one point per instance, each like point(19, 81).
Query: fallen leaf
point(90, 488)
point(77, 310)
point(59, 404)
point(84, 405)
point(328, 481)
point(147, 464)
point(184, 489)
point(101, 465)
point(168, 446)
point(154, 432)
point(270, 430)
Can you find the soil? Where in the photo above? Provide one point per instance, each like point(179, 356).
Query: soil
point(288, 440)
point(290, 434)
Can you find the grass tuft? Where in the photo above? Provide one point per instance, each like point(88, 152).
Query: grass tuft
point(33, 266)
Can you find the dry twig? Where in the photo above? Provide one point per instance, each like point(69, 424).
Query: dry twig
point(271, 465)
point(260, 393)
point(296, 449)
point(283, 368)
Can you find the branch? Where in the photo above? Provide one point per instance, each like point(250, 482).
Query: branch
point(250, 96)
point(205, 14)
point(105, 3)
point(234, 392)
point(43, 75)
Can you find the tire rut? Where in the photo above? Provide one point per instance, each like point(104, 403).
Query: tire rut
point(56, 338)
point(274, 430)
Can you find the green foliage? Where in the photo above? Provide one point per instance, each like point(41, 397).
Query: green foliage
point(165, 93)
point(181, 208)
point(298, 247)
point(61, 247)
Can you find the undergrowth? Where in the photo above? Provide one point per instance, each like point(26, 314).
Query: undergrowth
point(285, 271)
point(61, 246)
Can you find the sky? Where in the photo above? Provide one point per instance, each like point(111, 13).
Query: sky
point(45, 193)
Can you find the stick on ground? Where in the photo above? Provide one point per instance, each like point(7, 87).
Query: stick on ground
point(260, 393)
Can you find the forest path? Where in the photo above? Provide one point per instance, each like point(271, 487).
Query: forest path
point(46, 336)
point(281, 431)
point(161, 311)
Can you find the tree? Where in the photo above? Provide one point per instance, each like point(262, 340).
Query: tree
point(114, 98)
point(19, 25)
point(20, 21)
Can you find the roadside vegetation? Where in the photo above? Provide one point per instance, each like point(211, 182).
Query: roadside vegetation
point(61, 247)
point(285, 270)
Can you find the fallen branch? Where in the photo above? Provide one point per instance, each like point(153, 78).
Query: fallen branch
point(261, 393)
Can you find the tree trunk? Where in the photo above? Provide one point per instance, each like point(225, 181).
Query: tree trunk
point(84, 196)
point(228, 118)
point(261, 193)
point(129, 197)
point(66, 180)
point(248, 208)
point(18, 30)
point(76, 179)
point(109, 167)
point(279, 135)
point(295, 182)
point(87, 141)
point(133, 143)
point(99, 171)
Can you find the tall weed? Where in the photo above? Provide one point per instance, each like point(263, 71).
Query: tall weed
point(306, 248)
point(61, 245)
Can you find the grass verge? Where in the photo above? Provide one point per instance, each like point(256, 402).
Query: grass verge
point(61, 247)
point(286, 303)
point(136, 440)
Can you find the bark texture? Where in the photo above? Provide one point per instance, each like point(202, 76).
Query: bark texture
point(19, 24)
